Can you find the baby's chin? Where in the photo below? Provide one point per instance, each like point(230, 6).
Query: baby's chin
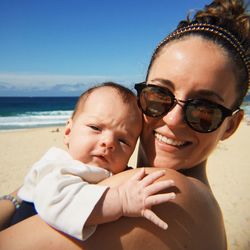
point(99, 161)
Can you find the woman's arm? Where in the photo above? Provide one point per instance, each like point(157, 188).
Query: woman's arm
point(7, 210)
point(194, 220)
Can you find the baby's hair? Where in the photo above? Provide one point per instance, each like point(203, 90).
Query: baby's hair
point(126, 95)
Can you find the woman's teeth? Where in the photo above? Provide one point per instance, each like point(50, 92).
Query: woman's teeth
point(169, 141)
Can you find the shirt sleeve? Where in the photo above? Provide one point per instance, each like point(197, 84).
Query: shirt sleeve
point(39, 170)
point(64, 198)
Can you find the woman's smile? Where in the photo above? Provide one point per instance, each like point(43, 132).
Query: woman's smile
point(169, 141)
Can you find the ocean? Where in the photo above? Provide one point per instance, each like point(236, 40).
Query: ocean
point(33, 112)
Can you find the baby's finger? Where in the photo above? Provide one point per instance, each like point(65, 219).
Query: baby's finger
point(158, 186)
point(151, 216)
point(152, 177)
point(158, 199)
point(138, 175)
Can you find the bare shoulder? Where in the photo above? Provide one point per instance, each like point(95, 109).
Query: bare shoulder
point(194, 219)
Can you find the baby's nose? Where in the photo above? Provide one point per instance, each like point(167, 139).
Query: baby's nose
point(108, 141)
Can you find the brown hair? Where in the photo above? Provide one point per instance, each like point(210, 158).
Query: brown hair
point(126, 94)
point(227, 23)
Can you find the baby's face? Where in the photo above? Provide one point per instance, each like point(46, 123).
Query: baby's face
point(104, 134)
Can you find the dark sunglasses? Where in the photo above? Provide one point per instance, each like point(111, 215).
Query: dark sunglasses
point(200, 114)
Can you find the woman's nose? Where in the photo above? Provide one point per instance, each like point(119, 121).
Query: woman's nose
point(175, 117)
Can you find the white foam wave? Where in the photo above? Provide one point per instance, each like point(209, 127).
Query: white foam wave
point(34, 119)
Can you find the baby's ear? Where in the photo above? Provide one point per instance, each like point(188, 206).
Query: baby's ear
point(67, 131)
point(233, 124)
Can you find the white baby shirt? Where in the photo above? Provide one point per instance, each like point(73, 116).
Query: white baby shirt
point(64, 191)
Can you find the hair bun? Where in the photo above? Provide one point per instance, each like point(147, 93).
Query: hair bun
point(229, 14)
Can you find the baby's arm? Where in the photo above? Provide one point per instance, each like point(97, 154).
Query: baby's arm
point(69, 204)
point(65, 201)
point(134, 198)
point(56, 186)
point(76, 207)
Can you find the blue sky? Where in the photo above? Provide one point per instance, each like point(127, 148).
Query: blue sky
point(55, 47)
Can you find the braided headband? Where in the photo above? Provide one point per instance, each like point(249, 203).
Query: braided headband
point(216, 30)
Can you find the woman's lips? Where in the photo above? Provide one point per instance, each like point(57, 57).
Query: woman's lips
point(170, 141)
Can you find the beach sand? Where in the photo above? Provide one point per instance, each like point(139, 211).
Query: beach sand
point(228, 172)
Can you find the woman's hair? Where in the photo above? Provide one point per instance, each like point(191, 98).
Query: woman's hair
point(126, 95)
point(227, 24)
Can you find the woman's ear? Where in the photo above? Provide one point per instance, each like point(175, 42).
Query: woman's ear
point(233, 124)
point(67, 131)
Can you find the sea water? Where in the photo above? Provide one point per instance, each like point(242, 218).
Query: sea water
point(33, 112)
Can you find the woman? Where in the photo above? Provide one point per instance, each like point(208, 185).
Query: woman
point(196, 81)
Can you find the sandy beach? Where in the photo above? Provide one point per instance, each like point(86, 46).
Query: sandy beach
point(228, 172)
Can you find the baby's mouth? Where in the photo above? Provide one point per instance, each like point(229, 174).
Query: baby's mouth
point(102, 158)
point(170, 141)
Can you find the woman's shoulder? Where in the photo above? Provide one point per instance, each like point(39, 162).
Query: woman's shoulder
point(194, 219)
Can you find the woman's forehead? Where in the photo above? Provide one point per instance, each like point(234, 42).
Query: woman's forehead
point(194, 65)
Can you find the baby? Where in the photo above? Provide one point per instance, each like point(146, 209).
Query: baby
point(100, 137)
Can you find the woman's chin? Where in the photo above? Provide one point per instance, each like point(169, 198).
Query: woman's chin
point(167, 163)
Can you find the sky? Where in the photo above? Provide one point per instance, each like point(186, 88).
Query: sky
point(56, 47)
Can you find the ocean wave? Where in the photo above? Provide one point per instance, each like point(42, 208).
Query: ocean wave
point(50, 118)
point(48, 113)
point(34, 119)
point(246, 109)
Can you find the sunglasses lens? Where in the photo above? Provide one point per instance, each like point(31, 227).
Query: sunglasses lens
point(203, 117)
point(155, 101)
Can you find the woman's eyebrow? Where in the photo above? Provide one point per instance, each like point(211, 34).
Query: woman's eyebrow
point(209, 93)
point(166, 82)
point(202, 93)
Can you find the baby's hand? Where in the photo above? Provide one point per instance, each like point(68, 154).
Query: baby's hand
point(139, 194)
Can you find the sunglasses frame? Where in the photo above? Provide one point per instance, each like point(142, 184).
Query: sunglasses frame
point(225, 112)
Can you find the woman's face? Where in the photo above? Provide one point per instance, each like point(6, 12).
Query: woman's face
point(192, 68)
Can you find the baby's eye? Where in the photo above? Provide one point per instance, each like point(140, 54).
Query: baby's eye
point(95, 128)
point(123, 141)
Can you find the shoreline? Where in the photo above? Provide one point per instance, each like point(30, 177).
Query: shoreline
point(30, 128)
point(228, 172)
